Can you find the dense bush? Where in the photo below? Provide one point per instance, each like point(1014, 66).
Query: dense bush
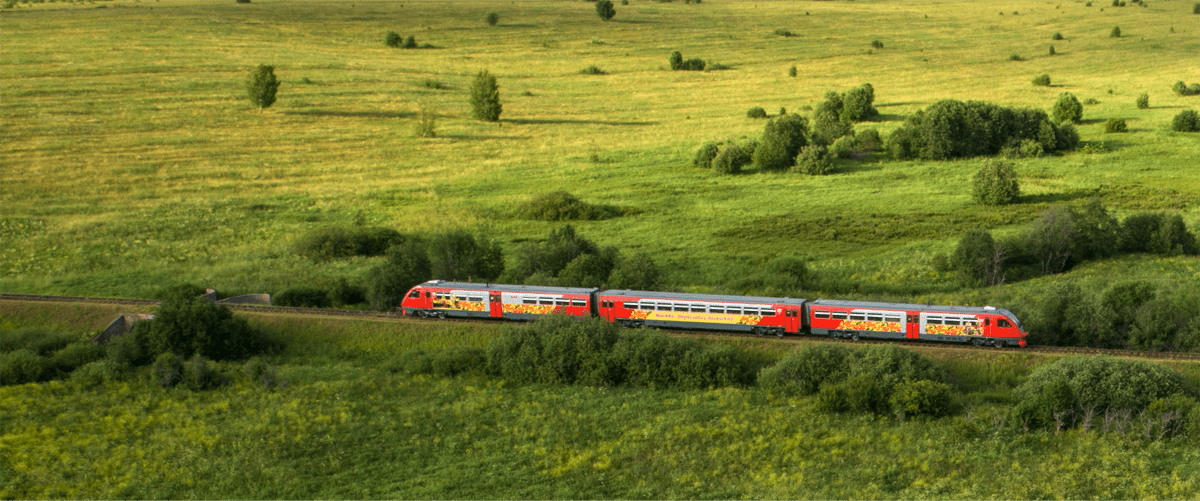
point(96, 373)
point(1184, 89)
point(782, 139)
point(638, 272)
point(756, 112)
point(336, 243)
point(876, 44)
point(954, 129)
point(1116, 32)
point(180, 292)
point(995, 183)
point(592, 70)
point(854, 105)
point(446, 363)
point(410, 42)
point(262, 86)
point(1052, 52)
point(1143, 101)
point(1057, 36)
point(40, 341)
point(303, 297)
point(405, 265)
point(705, 155)
point(485, 97)
point(1042, 80)
point(200, 374)
point(605, 9)
point(130, 350)
point(922, 398)
point(492, 18)
point(679, 64)
point(186, 328)
point(730, 159)
point(76, 355)
point(1072, 386)
point(24, 366)
point(815, 160)
point(868, 140)
point(802, 372)
point(828, 127)
point(976, 257)
point(1115, 125)
point(167, 370)
point(784, 32)
point(1186, 121)
point(458, 255)
point(792, 71)
point(1068, 108)
point(563, 206)
point(393, 39)
point(814, 367)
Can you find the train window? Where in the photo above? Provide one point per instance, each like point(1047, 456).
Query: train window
point(578, 302)
point(734, 311)
point(632, 306)
point(698, 308)
point(562, 302)
point(895, 320)
point(750, 311)
point(716, 309)
point(529, 300)
point(414, 294)
point(821, 314)
point(987, 321)
point(546, 301)
point(1003, 323)
point(858, 316)
point(951, 321)
point(664, 307)
point(933, 321)
point(768, 313)
point(681, 307)
point(874, 318)
point(839, 315)
point(476, 300)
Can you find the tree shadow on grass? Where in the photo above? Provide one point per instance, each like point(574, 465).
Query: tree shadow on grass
point(902, 103)
point(556, 121)
point(1051, 198)
point(353, 114)
point(478, 137)
point(889, 117)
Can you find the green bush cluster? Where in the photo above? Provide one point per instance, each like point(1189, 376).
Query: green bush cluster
point(200, 327)
point(492, 18)
point(784, 32)
point(563, 206)
point(705, 155)
point(1061, 395)
point(1115, 126)
point(995, 183)
point(451, 255)
point(394, 40)
point(303, 297)
point(1185, 89)
point(1068, 108)
point(197, 374)
point(593, 70)
point(568, 259)
point(35, 355)
point(782, 139)
point(563, 350)
point(876, 379)
point(679, 64)
point(1143, 101)
point(1042, 80)
point(954, 129)
point(605, 9)
point(337, 243)
point(815, 160)
point(756, 112)
point(854, 105)
point(1186, 121)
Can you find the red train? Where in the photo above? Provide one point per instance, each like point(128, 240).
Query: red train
point(761, 315)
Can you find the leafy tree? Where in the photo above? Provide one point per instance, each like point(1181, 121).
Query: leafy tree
point(1068, 108)
point(406, 265)
point(638, 272)
point(705, 155)
point(393, 39)
point(995, 183)
point(857, 104)
point(978, 257)
point(589, 270)
point(1042, 80)
point(730, 159)
point(605, 9)
point(410, 42)
point(1051, 239)
point(457, 255)
point(1186, 121)
point(485, 97)
point(1097, 232)
point(186, 328)
point(1143, 101)
point(815, 160)
point(562, 246)
point(1116, 32)
point(828, 126)
point(783, 137)
point(492, 18)
point(954, 129)
point(262, 86)
point(676, 60)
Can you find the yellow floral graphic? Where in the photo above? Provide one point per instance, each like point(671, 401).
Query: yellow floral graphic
point(862, 325)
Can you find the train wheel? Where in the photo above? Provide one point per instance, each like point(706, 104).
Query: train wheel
point(854, 336)
point(978, 342)
point(999, 344)
point(441, 315)
point(758, 330)
point(779, 332)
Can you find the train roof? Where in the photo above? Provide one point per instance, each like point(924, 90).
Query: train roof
point(910, 306)
point(529, 289)
point(703, 297)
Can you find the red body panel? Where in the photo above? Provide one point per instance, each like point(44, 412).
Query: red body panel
point(701, 313)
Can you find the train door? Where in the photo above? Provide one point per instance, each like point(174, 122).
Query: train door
point(794, 319)
point(912, 329)
point(496, 306)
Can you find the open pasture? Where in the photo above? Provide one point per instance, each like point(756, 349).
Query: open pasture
point(132, 160)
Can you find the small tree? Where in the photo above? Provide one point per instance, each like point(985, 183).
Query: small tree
point(975, 256)
point(705, 155)
point(605, 9)
point(1115, 126)
point(995, 183)
point(756, 112)
point(638, 272)
point(1068, 108)
point(814, 160)
point(782, 139)
point(262, 86)
point(485, 97)
point(676, 60)
point(1116, 32)
point(393, 39)
point(1042, 80)
point(426, 123)
point(410, 42)
point(492, 19)
point(1186, 121)
point(730, 159)
point(1143, 101)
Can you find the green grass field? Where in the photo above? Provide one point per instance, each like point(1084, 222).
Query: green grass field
point(132, 160)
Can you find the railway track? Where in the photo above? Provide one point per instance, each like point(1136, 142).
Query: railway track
point(1063, 350)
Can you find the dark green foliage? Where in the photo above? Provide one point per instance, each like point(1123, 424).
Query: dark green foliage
point(410, 42)
point(336, 243)
point(1181, 88)
point(995, 183)
point(485, 97)
point(815, 367)
point(676, 61)
point(343, 293)
point(1051, 53)
point(1157, 233)
point(492, 18)
point(563, 206)
point(860, 393)
point(40, 341)
point(876, 44)
point(592, 70)
point(756, 112)
point(828, 127)
point(262, 86)
point(1068, 108)
point(1186, 121)
point(446, 363)
point(1196, 8)
point(1168, 322)
point(393, 39)
point(815, 160)
point(605, 9)
point(858, 104)
point(303, 297)
point(24, 366)
point(1176, 415)
point(782, 139)
point(784, 32)
point(199, 374)
point(656, 360)
point(730, 159)
point(976, 257)
point(554, 262)
point(1076, 384)
point(868, 140)
point(1042, 80)
point(556, 350)
point(922, 398)
point(131, 349)
point(186, 328)
point(1063, 317)
point(696, 64)
point(792, 71)
point(588, 270)
point(96, 373)
point(180, 292)
point(458, 255)
point(76, 355)
point(705, 155)
point(406, 265)
point(261, 372)
point(1050, 240)
point(1016, 57)
point(1116, 32)
point(1057, 36)
point(1143, 101)
point(167, 370)
point(954, 129)
point(679, 64)
point(638, 272)
point(803, 372)
point(788, 273)
point(1097, 232)
point(1115, 125)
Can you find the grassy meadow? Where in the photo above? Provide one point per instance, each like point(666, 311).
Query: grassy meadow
point(132, 159)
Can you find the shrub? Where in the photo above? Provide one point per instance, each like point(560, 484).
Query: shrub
point(705, 155)
point(76, 355)
point(868, 140)
point(556, 350)
point(638, 272)
point(131, 349)
point(410, 42)
point(458, 255)
point(1057, 36)
point(537, 263)
point(783, 32)
point(1143, 101)
point(975, 256)
point(1016, 57)
point(199, 374)
point(492, 18)
point(781, 142)
point(814, 160)
point(792, 71)
point(343, 293)
point(1115, 125)
point(804, 371)
point(167, 370)
point(259, 371)
point(187, 328)
point(922, 398)
point(995, 183)
point(262, 86)
point(1042, 80)
point(1186, 121)
point(730, 159)
point(458, 360)
point(697, 65)
point(1175, 415)
point(605, 9)
point(485, 98)
point(788, 273)
point(23, 366)
point(304, 297)
point(1115, 33)
point(40, 341)
point(1196, 8)
point(426, 125)
point(1068, 108)
point(563, 206)
point(1180, 88)
point(953, 129)
point(393, 39)
point(828, 126)
point(336, 243)
point(656, 360)
point(96, 373)
point(676, 61)
point(180, 292)
point(592, 70)
point(861, 393)
point(858, 104)
point(1052, 50)
point(756, 112)
point(876, 44)
point(843, 147)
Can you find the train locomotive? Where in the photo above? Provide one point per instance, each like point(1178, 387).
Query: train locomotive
point(778, 316)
